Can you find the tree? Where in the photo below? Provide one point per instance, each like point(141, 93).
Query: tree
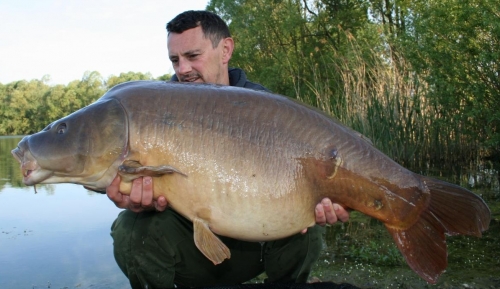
point(129, 76)
point(282, 43)
point(454, 46)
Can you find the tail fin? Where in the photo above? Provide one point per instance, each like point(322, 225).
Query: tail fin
point(453, 210)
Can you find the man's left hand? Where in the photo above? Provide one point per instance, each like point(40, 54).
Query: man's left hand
point(328, 213)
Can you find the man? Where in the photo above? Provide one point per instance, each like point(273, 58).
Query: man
point(157, 250)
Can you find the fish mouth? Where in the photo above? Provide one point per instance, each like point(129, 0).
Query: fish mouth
point(27, 173)
point(32, 172)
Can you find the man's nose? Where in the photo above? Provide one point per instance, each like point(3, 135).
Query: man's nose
point(184, 66)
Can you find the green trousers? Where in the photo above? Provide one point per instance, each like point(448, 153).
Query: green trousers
point(157, 250)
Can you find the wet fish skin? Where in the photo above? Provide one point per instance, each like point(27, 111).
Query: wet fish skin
point(248, 165)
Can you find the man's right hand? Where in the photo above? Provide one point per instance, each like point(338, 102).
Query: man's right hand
point(141, 196)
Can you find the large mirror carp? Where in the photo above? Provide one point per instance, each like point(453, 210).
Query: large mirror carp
point(250, 165)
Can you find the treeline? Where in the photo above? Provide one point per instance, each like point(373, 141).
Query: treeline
point(420, 78)
point(27, 107)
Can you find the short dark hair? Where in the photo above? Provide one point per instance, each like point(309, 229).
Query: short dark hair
point(212, 25)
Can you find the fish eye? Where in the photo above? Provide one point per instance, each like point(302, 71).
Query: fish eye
point(61, 128)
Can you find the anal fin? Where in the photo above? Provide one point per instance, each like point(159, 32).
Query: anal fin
point(209, 244)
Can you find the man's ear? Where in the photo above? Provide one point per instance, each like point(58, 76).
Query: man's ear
point(227, 49)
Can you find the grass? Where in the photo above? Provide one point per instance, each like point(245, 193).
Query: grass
point(362, 253)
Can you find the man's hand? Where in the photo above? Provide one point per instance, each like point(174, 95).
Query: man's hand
point(328, 213)
point(141, 196)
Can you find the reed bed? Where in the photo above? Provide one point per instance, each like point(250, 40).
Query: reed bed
point(376, 92)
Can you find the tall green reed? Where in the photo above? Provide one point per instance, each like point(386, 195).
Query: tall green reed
point(376, 92)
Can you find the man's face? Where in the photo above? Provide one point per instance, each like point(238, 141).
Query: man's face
point(195, 60)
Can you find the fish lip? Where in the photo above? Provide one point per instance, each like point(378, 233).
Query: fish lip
point(35, 176)
point(18, 154)
point(32, 172)
point(26, 173)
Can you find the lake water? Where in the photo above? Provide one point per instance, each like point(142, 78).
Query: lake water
point(56, 238)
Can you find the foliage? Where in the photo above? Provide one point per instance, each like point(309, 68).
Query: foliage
point(28, 106)
point(454, 47)
point(123, 77)
point(363, 239)
point(274, 38)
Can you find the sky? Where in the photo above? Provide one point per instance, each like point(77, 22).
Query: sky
point(66, 38)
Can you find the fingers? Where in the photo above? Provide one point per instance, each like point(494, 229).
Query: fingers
point(328, 213)
point(141, 196)
point(135, 204)
point(341, 213)
point(324, 213)
point(147, 197)
point(113, 193)
point(161, 204)
point(147, 193)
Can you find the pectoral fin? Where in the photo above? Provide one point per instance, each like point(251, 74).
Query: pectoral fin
point(209, 244)
point(131, 170)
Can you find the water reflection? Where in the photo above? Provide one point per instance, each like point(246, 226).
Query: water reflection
point(9, 168)
point(58, 237)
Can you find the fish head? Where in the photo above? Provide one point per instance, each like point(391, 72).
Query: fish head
point(84, 147)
